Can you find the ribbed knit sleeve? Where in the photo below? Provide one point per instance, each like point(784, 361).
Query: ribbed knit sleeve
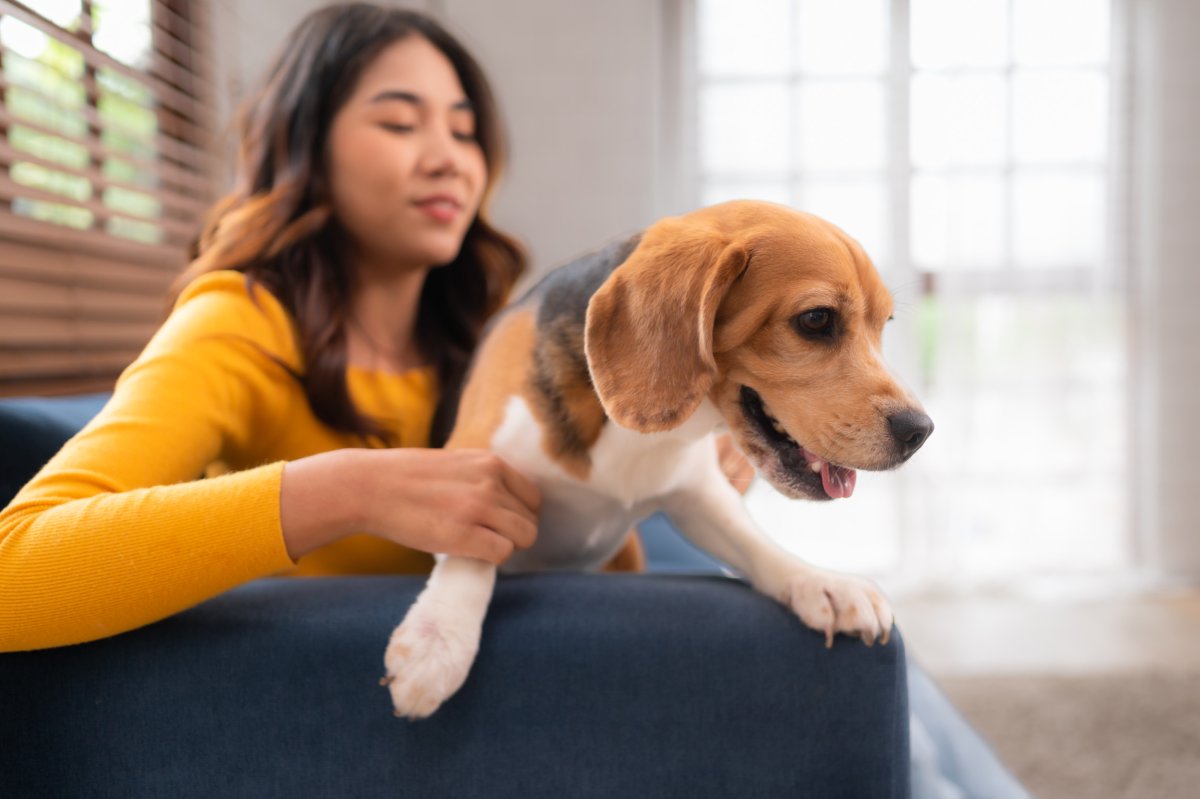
point(115, 531)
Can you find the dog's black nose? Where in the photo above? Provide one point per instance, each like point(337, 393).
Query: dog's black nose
point(910, 429)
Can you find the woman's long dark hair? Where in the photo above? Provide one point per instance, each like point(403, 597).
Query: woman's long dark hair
point(276, 226)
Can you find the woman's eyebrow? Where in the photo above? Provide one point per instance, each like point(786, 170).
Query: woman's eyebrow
point(409, 97)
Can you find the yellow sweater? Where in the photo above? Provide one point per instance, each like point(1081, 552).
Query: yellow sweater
point(115, 532)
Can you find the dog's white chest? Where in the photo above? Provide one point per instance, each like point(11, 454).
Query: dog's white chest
point(583, 522)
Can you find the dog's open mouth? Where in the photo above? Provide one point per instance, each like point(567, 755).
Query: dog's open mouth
point(819, 477)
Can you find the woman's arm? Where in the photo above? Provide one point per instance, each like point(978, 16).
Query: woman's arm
point(115, 531)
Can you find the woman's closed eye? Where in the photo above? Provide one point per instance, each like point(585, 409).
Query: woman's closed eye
point(398, 127)
point(395, 128)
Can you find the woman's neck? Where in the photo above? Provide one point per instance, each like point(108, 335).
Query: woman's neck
point(381, 329)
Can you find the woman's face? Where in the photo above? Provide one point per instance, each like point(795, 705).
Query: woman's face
point(405, 171)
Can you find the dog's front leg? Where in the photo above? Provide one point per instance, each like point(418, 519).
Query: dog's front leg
point(431, 652)
point(712, 516)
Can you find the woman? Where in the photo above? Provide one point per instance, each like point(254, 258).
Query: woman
point(336, 296)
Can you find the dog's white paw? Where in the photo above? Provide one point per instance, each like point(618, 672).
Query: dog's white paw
point(429, 656)
point(839, 603)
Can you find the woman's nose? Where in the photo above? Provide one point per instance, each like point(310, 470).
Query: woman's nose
point(440, 153)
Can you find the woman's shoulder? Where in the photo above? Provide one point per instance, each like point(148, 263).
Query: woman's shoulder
point(228, 304)
point(227, 287)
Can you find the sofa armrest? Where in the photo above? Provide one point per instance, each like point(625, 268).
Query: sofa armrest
point(585, 685)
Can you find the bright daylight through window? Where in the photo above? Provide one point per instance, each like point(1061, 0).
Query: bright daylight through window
point(972, 148)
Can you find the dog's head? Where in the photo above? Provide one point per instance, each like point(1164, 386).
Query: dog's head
point(776, 316)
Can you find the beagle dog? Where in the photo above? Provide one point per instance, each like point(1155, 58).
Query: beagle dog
point(608, 382)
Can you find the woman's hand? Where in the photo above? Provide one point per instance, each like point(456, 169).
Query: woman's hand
point(465, 502)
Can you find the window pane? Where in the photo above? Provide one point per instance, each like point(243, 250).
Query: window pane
point(958, 222)
point(1058, 220)
point(129, 127)
point(737, 38)
point(858, 207)
point(844, 37)
point(39, 56)
point(52, 148)
point(118, 85)
point(857, 536)
point(129, 124)
point(954, 33)
point(958, 120)
point(841, 124)
point(744, 127)
point(122, 29)
point(131, 203)
point(719, 192)
point(55, 74)
point(1061, 32)
point(64, 183)
point(1060, 117)
point(45, 88)
point(27, 105)
point(55, 213)
point(70, 186)
point(64, 13)
point(1035, 381)
point(144, 232)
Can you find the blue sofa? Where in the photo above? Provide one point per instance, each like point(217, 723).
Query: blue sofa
point(678, 683)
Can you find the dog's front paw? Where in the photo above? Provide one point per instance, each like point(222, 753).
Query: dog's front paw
point(839, 603)
point(428, 657)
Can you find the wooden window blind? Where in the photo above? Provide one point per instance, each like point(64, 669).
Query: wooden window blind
point(106, 168)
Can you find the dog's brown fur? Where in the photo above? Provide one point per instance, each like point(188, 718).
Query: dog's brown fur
point(501, 369)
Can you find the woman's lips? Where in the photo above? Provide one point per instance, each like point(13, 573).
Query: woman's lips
point(442, 209)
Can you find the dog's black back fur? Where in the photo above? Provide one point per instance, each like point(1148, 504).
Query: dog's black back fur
point(560, 365)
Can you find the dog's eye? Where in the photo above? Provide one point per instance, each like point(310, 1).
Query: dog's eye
point(817, 322)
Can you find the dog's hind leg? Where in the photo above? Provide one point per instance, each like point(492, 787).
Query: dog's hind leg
point(431, 651)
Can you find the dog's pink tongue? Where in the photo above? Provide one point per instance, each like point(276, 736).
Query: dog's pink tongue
point(838, 480)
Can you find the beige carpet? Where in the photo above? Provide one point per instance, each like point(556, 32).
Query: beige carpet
point(1134, 736)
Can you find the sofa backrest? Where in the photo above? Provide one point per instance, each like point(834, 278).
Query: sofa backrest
point(33, 429)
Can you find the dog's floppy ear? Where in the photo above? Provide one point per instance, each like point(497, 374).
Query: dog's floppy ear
point(649, 328)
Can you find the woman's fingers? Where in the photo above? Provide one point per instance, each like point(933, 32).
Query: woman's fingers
point(498, 512)
point(522, 488)
point(483, 543)
point(516, 527)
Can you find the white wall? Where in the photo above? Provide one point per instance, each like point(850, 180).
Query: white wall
point(579, 85)
point(1166, 260)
